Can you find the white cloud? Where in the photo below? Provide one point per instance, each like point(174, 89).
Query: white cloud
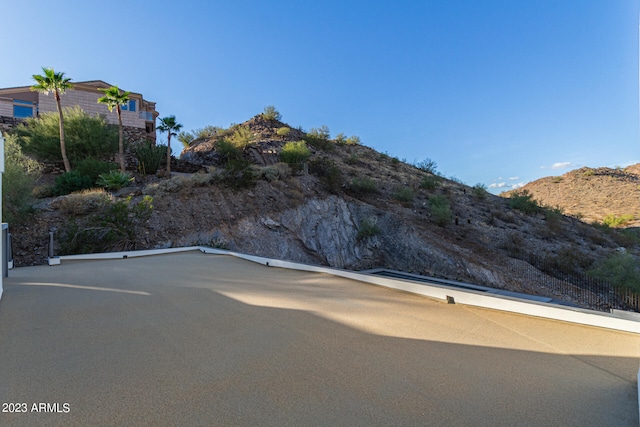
point(514, 178)
point(518, 185)
point(558, 165)
point(498, 185)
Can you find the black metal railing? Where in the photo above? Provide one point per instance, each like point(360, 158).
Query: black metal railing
point(570, 285)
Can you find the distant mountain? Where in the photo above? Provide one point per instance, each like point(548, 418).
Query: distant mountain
point(591, 194)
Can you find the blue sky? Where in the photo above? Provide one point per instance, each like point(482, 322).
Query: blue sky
point(497, 92)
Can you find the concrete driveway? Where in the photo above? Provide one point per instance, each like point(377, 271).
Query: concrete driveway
point(195, 339)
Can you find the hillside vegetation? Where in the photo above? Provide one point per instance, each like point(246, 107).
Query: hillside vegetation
point(602, 195)
point(309, 197)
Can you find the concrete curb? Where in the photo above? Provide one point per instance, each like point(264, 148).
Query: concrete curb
point(459, 296)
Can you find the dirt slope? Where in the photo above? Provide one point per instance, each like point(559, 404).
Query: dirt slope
point(592, 194)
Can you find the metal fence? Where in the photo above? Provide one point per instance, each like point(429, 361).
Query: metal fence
point(585, 290)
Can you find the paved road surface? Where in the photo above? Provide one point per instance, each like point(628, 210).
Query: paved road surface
point(194, 339)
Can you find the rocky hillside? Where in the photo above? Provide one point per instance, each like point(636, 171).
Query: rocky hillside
point(592, 194)
point(347, 206)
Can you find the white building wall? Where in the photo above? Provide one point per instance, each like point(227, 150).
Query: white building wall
point(88, 101)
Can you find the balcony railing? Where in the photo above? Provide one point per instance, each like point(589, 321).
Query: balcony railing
point(146, 115)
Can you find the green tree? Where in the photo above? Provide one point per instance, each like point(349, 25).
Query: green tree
point(56, 83)
point(115, 98)
point(270, 113)
point(169, 125)
point(19, 178)
point(86, 136)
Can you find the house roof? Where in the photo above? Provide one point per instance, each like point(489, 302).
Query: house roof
point(91, 85)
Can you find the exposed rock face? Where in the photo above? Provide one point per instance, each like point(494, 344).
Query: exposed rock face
point(325, 231)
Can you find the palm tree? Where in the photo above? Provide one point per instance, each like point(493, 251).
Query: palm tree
point(169, 125)
point(56, 83)
point(114, 98)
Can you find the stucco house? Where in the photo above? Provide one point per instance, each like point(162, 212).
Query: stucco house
point(138, 116)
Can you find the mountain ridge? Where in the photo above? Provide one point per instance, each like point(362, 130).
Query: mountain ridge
point(591, 194)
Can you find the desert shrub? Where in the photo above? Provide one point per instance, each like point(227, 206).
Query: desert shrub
point(228, 151)
point(619, 269)
point(206, 132)
point(85, 136)
point(319, 138)
point(187, 137)
point(524, 202)
point(427, 165)
point(430, 182)
point(612, 220)
point(567, 261)
point(113, 228)
point(404, 194)
point(295, 153)
point(353, 140)
point(150, 157)
point(279, 171)
point(18, 182)
point(456, 180)
point(352, 160)
point(321, 133)
point(368, 228)
point(342, 139)
point(239, 174)
point(514, 245)
point(480, 191)
point(84, 202)
point(270, 113)
point(440, 209)
point(627, 237)
point(114, 180)
point(171, 185)
point(554, 217)
point(202, 179)
point(72, 181)
point(43, 191)
point(242, 137)
point(329, 172)
point(283, 132)
point(93, 168)
point(363, 186)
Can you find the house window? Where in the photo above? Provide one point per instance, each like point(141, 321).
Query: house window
point(129, 106)
point(22, 109)
point(149, 127)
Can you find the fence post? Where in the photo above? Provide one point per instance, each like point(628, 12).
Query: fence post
point(5, 253)
point(50, 244)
